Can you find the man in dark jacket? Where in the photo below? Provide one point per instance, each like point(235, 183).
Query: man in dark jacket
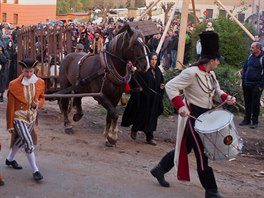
point(174, 46)
point(253, 84)
point(3, 72)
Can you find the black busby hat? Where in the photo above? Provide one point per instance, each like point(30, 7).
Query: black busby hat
point(210, 45)
point(28, 63)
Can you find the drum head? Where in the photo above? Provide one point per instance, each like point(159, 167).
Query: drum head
point(213, 121)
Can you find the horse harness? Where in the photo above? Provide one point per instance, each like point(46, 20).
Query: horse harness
point(107, 70)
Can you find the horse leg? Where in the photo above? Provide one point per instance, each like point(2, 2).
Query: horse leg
point(79, 112)
point(64, 105)
point(110, 132)
point(112, 136)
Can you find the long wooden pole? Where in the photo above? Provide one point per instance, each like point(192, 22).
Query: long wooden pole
point(182, 34)
point(166, 28)
point(194, 14)
point(147, 10)
point(237, 21)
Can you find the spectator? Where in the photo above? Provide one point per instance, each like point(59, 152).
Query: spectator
point(3, 72)
point(253, 84)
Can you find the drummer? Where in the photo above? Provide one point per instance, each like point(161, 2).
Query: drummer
point(200, 88)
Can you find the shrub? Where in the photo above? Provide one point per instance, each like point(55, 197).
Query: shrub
point(229, 81)
point(234, 43)
point(168, 107)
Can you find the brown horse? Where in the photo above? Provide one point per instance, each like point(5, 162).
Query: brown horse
point(105, 73)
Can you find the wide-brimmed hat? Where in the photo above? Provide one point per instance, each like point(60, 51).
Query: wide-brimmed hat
point(28, 63)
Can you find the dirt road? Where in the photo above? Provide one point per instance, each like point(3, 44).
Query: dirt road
point(80, 166)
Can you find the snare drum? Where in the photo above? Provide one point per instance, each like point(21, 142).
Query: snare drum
point(218, 134)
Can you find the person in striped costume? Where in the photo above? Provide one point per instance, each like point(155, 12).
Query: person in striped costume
point(25, 96)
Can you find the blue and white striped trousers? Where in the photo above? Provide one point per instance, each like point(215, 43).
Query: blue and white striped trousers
point(24, 131)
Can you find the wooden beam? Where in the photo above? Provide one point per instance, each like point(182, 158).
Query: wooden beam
point(166, 29)
point(236, 20)
point(147, 10)
point(182, 33)
point(194, 14)
point(72, 95)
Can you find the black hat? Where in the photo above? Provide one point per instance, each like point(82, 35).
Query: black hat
point(210, 45)
point(28, 63)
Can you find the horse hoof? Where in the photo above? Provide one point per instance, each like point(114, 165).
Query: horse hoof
point(77, 117)
point(68, 131)
point(108, 144)
point(111, 141)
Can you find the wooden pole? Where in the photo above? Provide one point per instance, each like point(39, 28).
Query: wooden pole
point(194, 14)
point(236, 20)
point(147, 10)
point(182, 34)
point(72, 95)
point(166, 28)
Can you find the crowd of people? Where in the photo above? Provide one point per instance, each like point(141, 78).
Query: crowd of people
point(198, 83)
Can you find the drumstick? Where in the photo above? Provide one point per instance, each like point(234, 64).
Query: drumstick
point(194, 118)
point(223, 103)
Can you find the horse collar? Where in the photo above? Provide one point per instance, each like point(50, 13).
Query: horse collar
point(111, 72)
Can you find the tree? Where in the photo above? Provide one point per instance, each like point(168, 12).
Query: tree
point(104, 6)
point(63, 6)
point(166, 8)
point(66, 6)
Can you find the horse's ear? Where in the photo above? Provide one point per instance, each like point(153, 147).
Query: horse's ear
point(129, 30)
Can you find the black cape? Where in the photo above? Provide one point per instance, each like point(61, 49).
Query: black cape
point(143, 108)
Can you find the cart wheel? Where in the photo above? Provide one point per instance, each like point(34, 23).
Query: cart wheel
point(69, 105)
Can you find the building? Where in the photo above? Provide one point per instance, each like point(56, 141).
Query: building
point(73, 16)
point(27, 12)
point(242, 9)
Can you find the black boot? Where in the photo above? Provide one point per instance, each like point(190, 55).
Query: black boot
point(158, 172)
point(212, 193)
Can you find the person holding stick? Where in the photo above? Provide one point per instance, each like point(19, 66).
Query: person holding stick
point(200, 88)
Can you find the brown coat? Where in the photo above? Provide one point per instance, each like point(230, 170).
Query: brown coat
point(16, 101)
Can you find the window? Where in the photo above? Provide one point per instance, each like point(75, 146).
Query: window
point(222, 13)
point(15, 19)
point(4, 17)
point(209, 13)
point(15, 1)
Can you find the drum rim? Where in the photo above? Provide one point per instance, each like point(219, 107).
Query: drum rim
point(218, 129)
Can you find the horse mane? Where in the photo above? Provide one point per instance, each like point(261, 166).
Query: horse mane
point(119, 42)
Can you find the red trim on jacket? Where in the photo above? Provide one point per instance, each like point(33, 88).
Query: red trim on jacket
point(183, 164)
point(224, 96)
point(202, 67)
point(177, 102)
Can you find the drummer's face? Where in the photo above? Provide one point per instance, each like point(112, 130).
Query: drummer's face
point(214, 63)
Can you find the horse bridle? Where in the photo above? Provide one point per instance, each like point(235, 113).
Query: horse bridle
point(146, 50)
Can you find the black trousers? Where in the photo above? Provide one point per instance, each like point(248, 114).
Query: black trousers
point(193, 142)
point(252, 96)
